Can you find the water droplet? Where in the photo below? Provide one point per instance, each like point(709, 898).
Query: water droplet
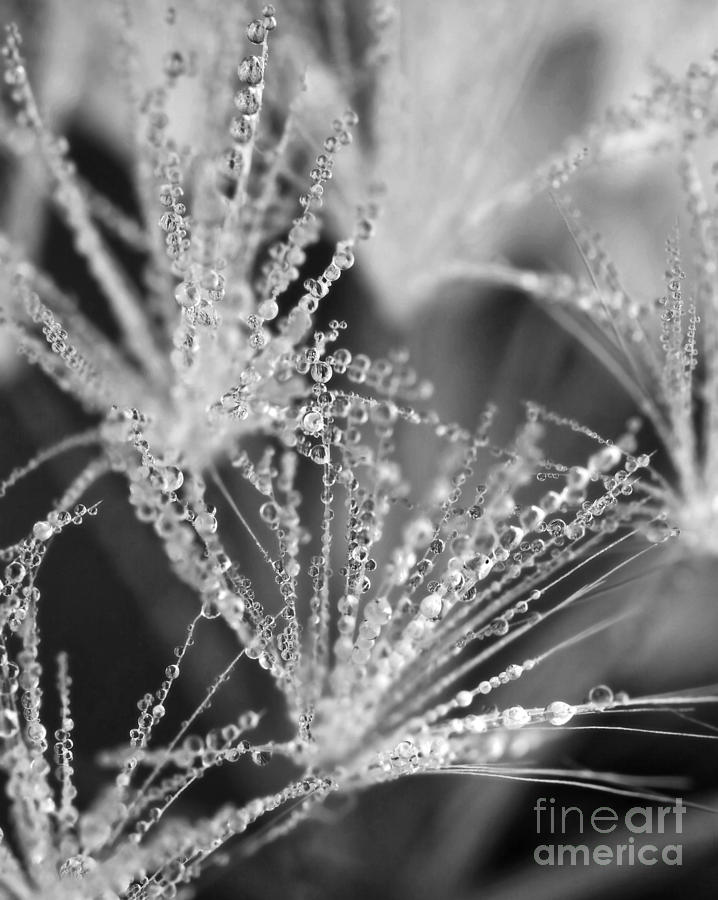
point(241, 129)
point(246, 101)
point(321, 372)
point(559, 712)
point(269, 512)
point(269, 17)
point(42, 531)
point(256, 31)
point(261, 757)
point(187, 294)
point(173, 479)
point(320, 454)
point(657, 531)
point(313, 422)
point(600, 696)
point(431, 606)
point(205, 523)
point(251, 70)
point(15, 572)
point(268, 309)
point(574, 531)
point(515, 717)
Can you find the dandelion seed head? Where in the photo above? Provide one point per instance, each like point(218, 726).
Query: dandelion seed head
point(391, 646)
point(661, 350)
point(226, 374)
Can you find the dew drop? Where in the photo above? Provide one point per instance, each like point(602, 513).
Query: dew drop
point(205, 523)
point(559, 712)
point(15, 572)
point(313, 422)
point(246, 101)
point(251, 70)
point(431, 606)
point(269, 512)
point(261, 757)
point(320, 454)
point(187, 294)
point(256, 31)
point(268, 309)
point(321, 372)
point(657, 532)
point(515, 717)
point(600, 696)
point(574, 531)
point(42, 531)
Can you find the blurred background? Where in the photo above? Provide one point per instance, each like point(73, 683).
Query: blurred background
point(458, 109)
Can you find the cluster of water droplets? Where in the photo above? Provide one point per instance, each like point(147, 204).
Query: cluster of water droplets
point(208, 353)
point(383, 646)
point(408, 624)
point(122, 845)
point(663, 349)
